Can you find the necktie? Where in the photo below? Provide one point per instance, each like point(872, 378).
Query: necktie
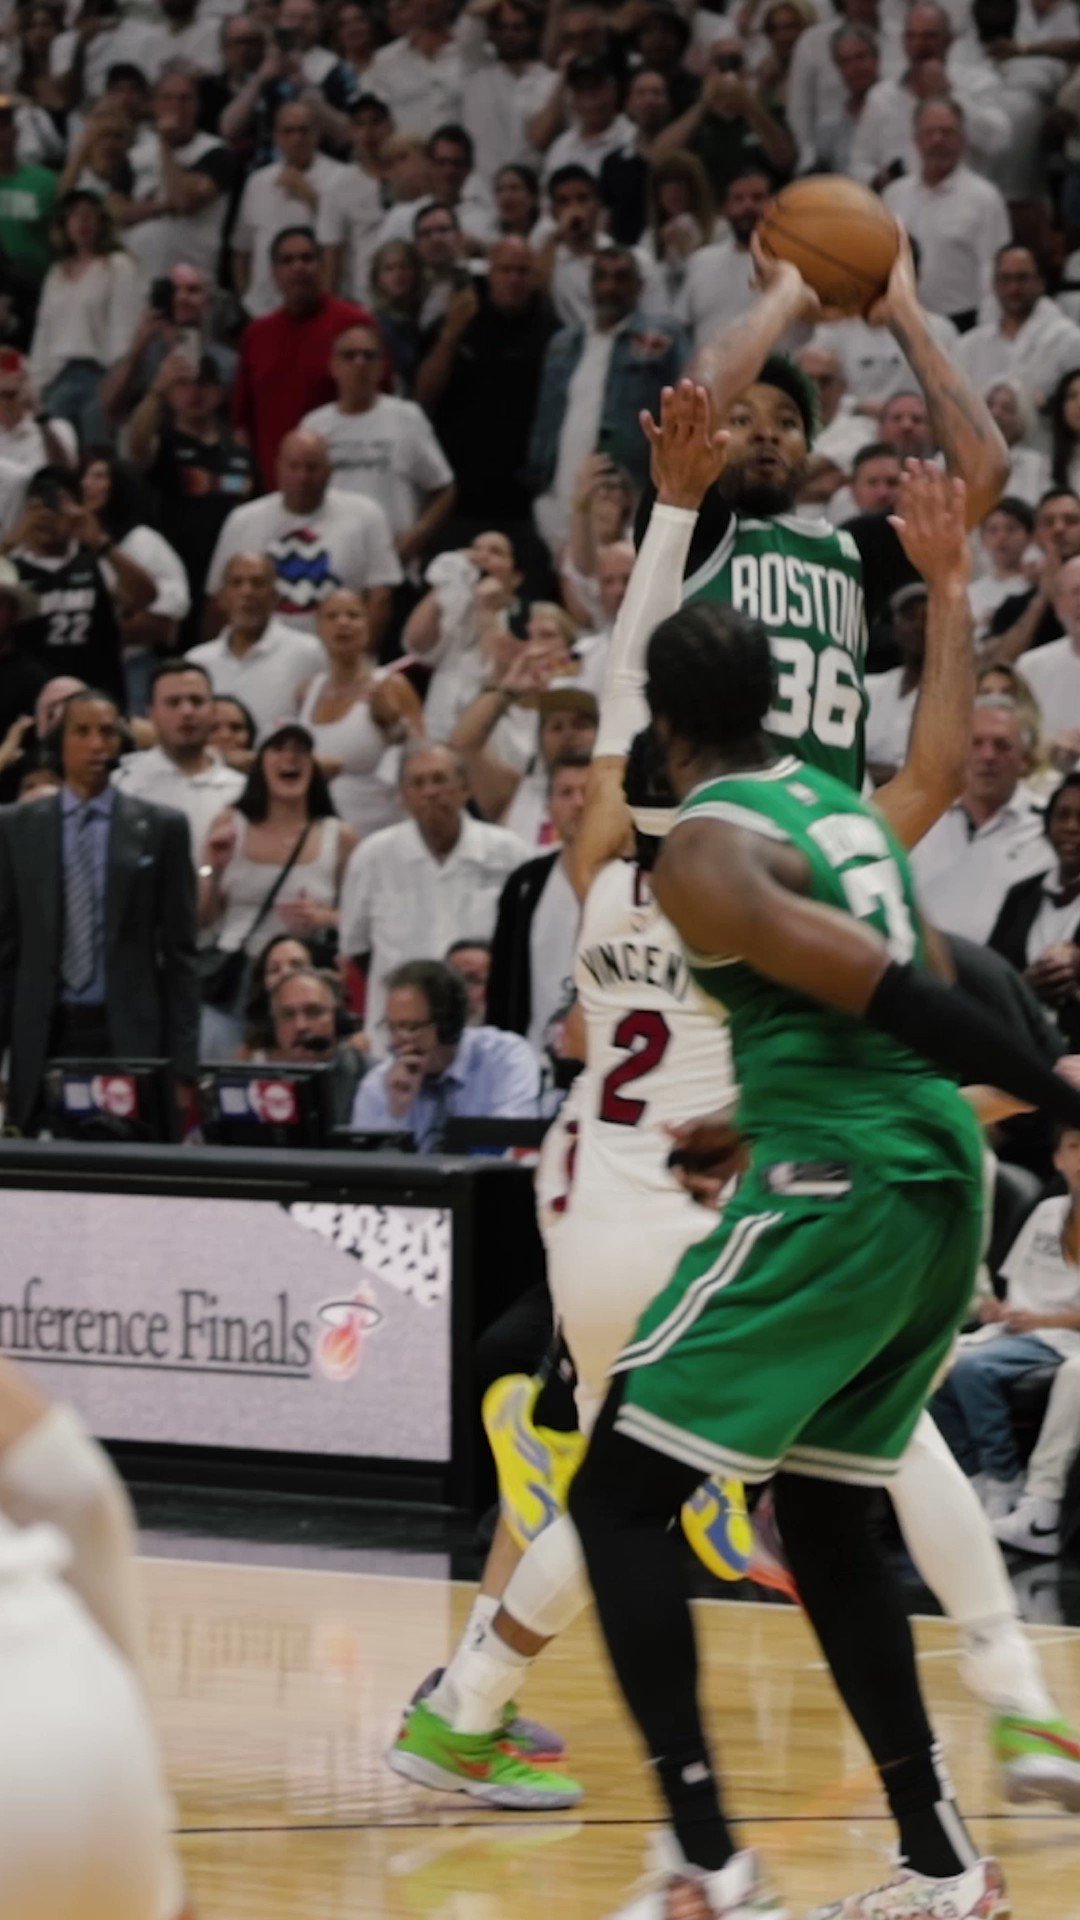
point(440, 1113)
point(80, 908)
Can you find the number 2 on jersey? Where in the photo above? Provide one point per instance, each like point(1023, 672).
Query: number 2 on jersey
point(645, 1036)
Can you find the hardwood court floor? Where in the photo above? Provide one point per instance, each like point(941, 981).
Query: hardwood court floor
point(276, 1691)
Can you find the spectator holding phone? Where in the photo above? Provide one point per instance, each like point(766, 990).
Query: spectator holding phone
point(29, 438)
point(176, 319)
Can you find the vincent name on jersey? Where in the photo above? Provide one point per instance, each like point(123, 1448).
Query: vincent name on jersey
point(636, 963)
point(782, 590)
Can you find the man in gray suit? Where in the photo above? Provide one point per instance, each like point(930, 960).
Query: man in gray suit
point(97, 919)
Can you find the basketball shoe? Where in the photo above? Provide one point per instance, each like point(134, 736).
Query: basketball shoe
point(534, 1465)
point(529, 1739)
point(681, 1892)
point(1039, 1760)
point(429, 1752)
point(976, 1894)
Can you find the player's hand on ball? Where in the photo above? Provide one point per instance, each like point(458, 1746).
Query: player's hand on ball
point(687, 451)
point(931, 520)
point(902, 291)
point(773, 276)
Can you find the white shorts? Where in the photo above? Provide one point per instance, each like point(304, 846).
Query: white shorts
point(83, 1823)
point(602, 1275)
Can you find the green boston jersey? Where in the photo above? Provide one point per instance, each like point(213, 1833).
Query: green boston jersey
point(803, 580)
point(815, 1084)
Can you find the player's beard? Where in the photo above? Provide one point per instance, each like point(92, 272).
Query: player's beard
point(758, 499)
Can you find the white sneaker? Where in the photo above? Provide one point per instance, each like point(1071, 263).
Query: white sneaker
point(976, 1894)
point(736, 1892)
point(999, 1497)
point(1031, 1527)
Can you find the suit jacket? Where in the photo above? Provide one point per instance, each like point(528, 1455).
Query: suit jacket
point(509, 997)
point(151, 963)
point(1017, 917)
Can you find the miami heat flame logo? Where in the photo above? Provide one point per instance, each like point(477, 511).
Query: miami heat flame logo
point(339, 1348)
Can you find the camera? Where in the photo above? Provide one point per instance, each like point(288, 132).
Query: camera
point(163, 297)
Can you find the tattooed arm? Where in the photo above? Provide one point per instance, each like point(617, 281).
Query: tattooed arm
point(731, 361)
point(963, 428)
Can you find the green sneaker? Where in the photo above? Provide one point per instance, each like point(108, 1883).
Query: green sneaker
point(429, 1752)
point(1039, 1760)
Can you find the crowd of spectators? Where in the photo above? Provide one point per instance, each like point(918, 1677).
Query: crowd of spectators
point(325, 326)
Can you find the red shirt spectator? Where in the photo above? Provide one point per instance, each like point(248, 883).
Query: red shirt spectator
point(285, 357)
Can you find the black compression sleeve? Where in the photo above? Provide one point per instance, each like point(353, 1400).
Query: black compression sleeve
point(956, 1036)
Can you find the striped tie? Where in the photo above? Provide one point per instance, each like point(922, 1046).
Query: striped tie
point(80, 908)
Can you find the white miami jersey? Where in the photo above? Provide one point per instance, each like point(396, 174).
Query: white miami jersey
point(657, 1053)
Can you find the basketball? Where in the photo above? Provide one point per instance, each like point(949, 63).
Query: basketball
point(840, 236)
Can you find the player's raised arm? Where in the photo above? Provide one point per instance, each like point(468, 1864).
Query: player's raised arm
point(732, 360)
point(931, 520)
point(963, 428)
point(687, 456)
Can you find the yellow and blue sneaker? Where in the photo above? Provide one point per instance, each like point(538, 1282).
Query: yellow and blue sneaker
point(534, 1465)
point(717, 1525)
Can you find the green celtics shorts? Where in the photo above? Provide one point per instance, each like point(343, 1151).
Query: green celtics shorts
point(808, 1329)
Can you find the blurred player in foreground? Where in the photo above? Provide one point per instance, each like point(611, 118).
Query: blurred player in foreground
point(84, 1831)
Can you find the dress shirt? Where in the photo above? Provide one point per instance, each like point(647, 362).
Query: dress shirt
point(492, 1076)
point(589, 150)
point(1046, 346)
point(497, 106)
point(1053, 674)
point(398, 902)
point(422, 91)
point(886, 130)
point(963, 872)
point(960, 223)
point(100, 812)
point(269, 676)
point(199, 796)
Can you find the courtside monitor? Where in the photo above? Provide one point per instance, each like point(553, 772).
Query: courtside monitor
point(120, 1100)
point(265, 1106)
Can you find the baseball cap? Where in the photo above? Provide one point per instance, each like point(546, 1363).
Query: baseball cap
point(280, 729)
point(563, 694)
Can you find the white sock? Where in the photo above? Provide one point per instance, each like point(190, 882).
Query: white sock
point(58, 1472)
point(949, 1539)
point(547, 1590)
point(478, 1683)
point(484, 1609)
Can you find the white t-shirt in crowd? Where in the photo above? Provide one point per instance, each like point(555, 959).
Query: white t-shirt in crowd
point(1053, 674)
point(552, 943)
point(422, 92)
point(266, 207)
point(986, 594)
point(388, 453)
point(960, 223)
point(24, 445)
point(497, 104)
point(194, 238)
point(351, 217)
point(200, 796)
point(346, 542)
point(576, 149)
point(1040, 1279)
point(719, 287)
point(875, 365)
point(270, 676)
point(1046, 346)
point(398, 902)
point(888, 723)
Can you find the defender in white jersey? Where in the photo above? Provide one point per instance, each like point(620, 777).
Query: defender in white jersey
point(613, 1214)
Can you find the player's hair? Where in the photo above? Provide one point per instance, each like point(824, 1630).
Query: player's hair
point(649, 795)
point(780, 371)
point(443, 989)
point(709, 675)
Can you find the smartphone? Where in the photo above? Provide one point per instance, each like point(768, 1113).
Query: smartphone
point(162, 296)
point(286, 39)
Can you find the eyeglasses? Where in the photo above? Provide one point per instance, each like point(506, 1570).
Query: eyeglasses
point(406, 1029)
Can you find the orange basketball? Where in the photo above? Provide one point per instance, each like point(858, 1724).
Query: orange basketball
point(840, 236)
